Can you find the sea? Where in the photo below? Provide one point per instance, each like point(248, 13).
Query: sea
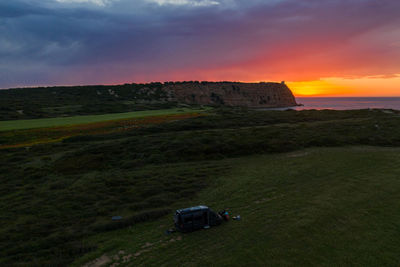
point(345, 103)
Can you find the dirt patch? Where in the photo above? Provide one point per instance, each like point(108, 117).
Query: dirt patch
point(148, 244)
point(102, 261)
point(123, 257)
point(127, 258)
point(140, 252)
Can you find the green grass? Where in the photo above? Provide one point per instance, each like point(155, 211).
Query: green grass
point(317, 207)
point(64, 121)
point(312, 206)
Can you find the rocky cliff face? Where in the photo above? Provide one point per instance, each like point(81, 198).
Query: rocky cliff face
point(255, 95)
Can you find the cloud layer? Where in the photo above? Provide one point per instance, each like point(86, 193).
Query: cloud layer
point(50, 42)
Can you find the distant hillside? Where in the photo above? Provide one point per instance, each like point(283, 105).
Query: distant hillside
point(42, 102)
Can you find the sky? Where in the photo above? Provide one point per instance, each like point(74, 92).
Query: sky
point(319, 47)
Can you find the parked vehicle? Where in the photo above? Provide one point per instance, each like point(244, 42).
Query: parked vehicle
point(195, 218)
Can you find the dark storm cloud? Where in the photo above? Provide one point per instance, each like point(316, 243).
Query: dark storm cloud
point(67, 42)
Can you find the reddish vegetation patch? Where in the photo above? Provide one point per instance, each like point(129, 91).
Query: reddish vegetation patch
point(29, 137)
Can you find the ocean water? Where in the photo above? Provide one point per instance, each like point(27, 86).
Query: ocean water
point(343, 103)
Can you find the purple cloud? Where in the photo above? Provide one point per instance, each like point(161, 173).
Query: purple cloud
point(87, 42)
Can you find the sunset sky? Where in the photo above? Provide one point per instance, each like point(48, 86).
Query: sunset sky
point(319, 47)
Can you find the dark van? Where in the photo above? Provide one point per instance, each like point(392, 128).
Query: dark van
point(195, 218)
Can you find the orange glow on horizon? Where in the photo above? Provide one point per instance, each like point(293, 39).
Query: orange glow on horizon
point(368, 86)
point(308, 84)
point(317, 88)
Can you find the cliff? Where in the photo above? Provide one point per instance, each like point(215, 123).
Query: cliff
point(255, 95)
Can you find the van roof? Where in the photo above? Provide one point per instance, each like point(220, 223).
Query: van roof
point(192, 209)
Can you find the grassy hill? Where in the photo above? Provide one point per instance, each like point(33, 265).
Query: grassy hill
point(50, 102)
point(301, 202)
point(321, 206)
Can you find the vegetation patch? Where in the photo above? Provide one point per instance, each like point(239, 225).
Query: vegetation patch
point(50, 102)
point(51, 212)
point(80, 120)
point(29, 137)
point(58, 199)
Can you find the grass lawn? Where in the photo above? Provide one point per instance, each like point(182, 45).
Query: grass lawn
point(319, 206)
point(65, 121)
point(302, 202)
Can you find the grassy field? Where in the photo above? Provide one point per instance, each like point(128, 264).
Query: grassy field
point(301, 202)
point(30, 137)
point(67, 121)
point(315, 207)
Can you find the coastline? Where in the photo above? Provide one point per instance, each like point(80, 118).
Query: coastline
point(343, 103)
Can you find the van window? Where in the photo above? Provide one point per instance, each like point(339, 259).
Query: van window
point(188, 219)
point(198, 216)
